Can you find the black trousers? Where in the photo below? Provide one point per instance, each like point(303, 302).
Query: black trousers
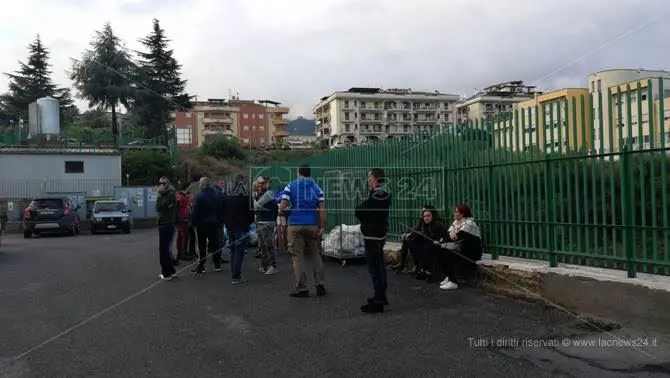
point(374, 255)
point(208, 243)
point(165, 233)
point(191, 241)
point(458, 265)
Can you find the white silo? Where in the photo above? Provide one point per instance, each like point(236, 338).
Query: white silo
point(49, 115)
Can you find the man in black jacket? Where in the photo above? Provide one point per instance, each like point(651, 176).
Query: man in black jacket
point(238, 218)
point(207, 217)
point(373, 215)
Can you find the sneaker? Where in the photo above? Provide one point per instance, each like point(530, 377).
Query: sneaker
point(448, 286)
point(271, 270)
point(262, 270)
point(218, 268)
point(165, 278)
point(237, 281)
point(444, 281)
point(299, 293)
point(199, 270)
point(320, 290)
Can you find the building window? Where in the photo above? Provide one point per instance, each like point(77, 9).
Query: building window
point(187, 115)
point(261, 128)
point(74, 167)
point(245, 140)
point(261, 116)
point(599, 85)
point(245, 115)
point(245, 127)
point(262, 140)
point(185, 136)
point(253, 115)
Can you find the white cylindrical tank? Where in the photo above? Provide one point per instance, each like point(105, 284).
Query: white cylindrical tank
point(49, 115)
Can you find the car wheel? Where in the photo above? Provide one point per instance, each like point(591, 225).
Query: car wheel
point(126, 230)
point(93, 231)
point(72, 230)
point(27, 234)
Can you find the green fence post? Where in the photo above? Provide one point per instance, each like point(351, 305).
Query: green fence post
point(494, 250)
point(549, 213)
point(628, 210)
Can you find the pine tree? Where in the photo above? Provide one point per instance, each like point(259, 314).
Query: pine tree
point(103, 76)
point(33, 81)
point(161, 88)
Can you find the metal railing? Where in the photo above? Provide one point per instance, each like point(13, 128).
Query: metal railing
point(577, 188)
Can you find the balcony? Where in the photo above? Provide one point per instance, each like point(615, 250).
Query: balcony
point(281, 133)
point(279, 121)
point(277, 109)
point(213, 129)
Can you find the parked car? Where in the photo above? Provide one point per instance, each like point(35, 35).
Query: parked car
point(110, 216)
point(50, 214)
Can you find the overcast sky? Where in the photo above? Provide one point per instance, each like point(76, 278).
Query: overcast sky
point(296, 51)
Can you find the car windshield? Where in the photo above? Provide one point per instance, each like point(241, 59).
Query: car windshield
point(47, 203)
point(108, 206)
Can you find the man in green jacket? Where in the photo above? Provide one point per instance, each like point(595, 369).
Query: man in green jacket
point(166, 210)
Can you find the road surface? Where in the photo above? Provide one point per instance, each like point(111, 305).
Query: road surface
point(91, 306)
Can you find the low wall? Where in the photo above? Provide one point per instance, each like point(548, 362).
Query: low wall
point(592, 293)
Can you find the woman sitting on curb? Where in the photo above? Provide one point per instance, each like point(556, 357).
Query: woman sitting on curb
point(461, 249)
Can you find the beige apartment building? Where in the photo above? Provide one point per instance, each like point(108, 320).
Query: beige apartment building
point(649, 112)
point(361, 115)
point(556, 121)
point(493, 100)
point(600, 82)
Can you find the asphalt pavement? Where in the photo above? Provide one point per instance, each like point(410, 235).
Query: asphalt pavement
point(92, 306)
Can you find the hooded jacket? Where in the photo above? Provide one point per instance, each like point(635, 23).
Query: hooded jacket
point(373, 213)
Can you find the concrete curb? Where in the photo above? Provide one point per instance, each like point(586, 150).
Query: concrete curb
point(591, 292)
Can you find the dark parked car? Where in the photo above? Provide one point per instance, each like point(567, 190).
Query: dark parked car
point(50, 214)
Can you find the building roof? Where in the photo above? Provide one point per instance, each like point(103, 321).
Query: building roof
point(57, 151)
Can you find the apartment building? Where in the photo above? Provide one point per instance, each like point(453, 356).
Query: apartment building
point(361, 115)
point(639, 111)
point(255, 124)
point(494, 100)
point(600, 82)
point(556, 121)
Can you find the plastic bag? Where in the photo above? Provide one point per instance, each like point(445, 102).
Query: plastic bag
point(344, 240)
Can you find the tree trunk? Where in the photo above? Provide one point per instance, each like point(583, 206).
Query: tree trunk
point(115, 127)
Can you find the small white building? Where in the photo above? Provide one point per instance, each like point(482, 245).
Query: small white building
point(28, 171)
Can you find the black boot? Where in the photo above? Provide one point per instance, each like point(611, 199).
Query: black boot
point(372, 308)
point(384, 301)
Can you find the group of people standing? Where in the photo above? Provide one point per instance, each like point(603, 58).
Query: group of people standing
point(294, 219)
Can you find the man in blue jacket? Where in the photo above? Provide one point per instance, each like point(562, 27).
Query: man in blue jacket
point(373, 215)
point(306, 221)
point(207, 217)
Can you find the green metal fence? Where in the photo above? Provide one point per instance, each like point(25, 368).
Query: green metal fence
point(575, 194)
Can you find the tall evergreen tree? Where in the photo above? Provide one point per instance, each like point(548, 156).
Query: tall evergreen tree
point(33, 81)
point(103, 76)
point(161, 88)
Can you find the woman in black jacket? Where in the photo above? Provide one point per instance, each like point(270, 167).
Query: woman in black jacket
point(423, 242)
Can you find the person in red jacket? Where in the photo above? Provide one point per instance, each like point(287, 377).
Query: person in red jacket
point(183, 224)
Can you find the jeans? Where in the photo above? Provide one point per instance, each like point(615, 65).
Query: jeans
point(239, 239)
point(165, 234)
point(374, 255)
point(171, 240)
